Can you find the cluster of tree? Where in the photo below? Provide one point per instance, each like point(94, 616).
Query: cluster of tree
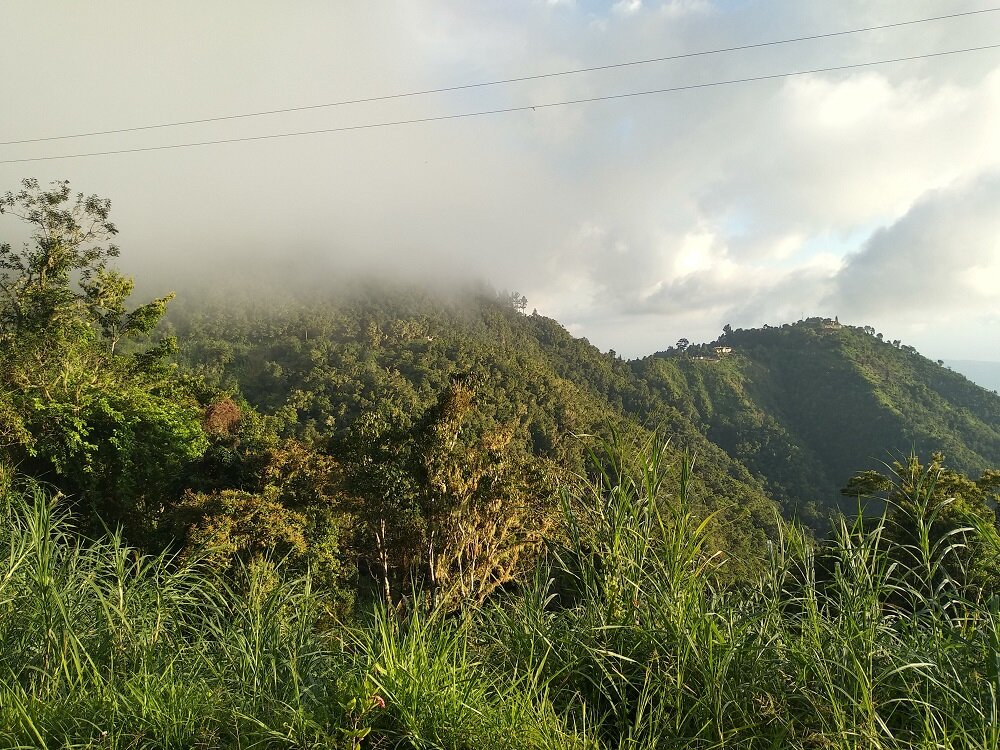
point(81, 399)
point(392, 435)
point(684, 348)
point(361, 377)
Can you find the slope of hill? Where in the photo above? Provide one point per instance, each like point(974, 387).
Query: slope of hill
point(805, 406)
point(387, 356)
point(791, 412)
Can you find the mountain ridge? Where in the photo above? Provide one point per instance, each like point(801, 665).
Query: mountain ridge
point(840, 396)
point(795, 410)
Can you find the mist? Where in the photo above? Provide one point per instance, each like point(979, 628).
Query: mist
point(633, 222)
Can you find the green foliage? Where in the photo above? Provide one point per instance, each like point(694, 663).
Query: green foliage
point(834, 645)
point(105, 647)
point(66, 240)
point(928, 507)
point(445, 414)
point(482, 504)
point(804, 406)
point(628, 637)
point(235, 527)
point(264, 498)
point(112, 429)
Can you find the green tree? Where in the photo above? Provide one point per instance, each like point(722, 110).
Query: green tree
point(483, 502)
point(112, 429)
point(381, 467)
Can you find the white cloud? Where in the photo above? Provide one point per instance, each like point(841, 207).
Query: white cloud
point(694, 254)
point(678, 8)
point(838, 153)
point(942, 256)
point(627, 7)
point(640, 220)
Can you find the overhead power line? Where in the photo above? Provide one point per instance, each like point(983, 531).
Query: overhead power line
point(501, 81)
point(523, 108)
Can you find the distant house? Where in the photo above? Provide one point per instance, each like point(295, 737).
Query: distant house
point(720, 350)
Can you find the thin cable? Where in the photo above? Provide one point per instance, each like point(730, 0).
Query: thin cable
point(501, 81)
point(460, 115)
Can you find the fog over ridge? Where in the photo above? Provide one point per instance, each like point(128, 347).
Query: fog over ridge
point(867, 194)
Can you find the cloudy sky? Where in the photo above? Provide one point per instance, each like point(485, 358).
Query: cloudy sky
point(871, 193)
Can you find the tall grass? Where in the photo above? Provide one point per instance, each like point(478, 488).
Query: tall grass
point(105, 647)
point(862, 643)
point(628, 637)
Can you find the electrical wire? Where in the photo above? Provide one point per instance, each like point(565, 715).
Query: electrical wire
point(524, 108)
point(501, 81)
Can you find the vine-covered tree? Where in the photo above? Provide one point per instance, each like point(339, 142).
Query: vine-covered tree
point(481, 502)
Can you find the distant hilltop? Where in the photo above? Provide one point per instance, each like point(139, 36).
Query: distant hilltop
point(804, 405)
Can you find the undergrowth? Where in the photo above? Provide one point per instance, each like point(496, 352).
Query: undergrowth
point(628, 637)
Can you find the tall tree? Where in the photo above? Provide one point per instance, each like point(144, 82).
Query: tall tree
point(482, 513)
point(108, 427)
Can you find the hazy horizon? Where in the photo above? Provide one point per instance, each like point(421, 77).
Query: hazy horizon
point(984, 373)
point(869, 194)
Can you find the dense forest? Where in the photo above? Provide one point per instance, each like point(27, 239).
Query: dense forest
point(428, 518)
point(805, 405)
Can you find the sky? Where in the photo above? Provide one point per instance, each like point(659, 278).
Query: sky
point(870, 194)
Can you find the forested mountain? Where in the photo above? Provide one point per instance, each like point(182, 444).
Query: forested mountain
point(791, 412)
point(363, 377)
point(804, 406)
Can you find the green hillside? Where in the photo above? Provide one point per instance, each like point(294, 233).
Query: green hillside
point(381, 356)
point(805, 406)
point(791, 412)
